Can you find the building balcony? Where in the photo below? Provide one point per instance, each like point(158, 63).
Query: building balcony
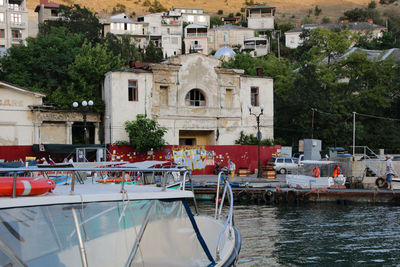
point(20, 8)
point(255, 47)
point(16, 39)
point(17, 24)
point(198, 34)
point(171, 22)
point(196, 46)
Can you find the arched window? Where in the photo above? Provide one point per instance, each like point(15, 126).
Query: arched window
point(195, 98)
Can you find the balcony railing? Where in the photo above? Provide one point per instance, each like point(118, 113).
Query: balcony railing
point(199, 34)
point(16, 39)
point(196, 46)
point(171, 22)
point(18, 24)
point(255, 46)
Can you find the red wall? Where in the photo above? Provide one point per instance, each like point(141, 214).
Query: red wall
point(202, 159)
point(10, 153)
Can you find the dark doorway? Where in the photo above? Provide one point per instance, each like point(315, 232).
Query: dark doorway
point(78, 133)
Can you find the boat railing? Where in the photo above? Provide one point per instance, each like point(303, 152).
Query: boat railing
point(122, 170)
point(223, 175)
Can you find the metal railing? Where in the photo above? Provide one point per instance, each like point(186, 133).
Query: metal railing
point(218, 210)
point(121, 170)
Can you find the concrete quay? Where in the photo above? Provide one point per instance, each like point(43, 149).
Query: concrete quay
point(252, 190)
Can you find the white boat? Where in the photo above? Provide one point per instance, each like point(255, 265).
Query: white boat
point(306, 181)
point(114, 225)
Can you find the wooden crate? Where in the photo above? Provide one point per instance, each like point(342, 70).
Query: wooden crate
point(243, 172)
point(269, 174)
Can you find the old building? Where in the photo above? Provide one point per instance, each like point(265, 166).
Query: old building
point(228, 36)
point(13, 22)
point(199, 102)
point(24, 120)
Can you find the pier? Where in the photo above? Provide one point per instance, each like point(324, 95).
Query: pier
point(252, 190)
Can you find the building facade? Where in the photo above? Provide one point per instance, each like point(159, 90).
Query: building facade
point(196, 39)
point(260, 18)
point(13, 22)
point(193, 15)
point(47, 11)
point(24, 120)
point(228, 36)
point(198, 102)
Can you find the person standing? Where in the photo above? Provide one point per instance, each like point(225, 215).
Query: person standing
point(231, 168)
point(389, 171)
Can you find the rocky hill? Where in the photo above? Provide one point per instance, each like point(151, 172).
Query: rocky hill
point(286, 10)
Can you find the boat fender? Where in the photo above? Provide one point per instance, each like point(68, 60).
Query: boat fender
point(244, 197)
point(381, 183)
point(291, 196)
point(267, 196)
point(336, 171)
point(316, 172)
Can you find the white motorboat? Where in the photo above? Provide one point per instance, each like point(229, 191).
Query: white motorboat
point(113, 225)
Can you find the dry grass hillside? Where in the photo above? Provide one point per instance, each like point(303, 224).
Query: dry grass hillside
point(286, 10)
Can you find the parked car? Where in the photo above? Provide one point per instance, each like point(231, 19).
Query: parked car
point(282, 165)
point(396, 158)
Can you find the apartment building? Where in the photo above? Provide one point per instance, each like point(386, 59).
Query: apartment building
point(47, 11)
point(193, 15)
point(228, 36)
point(13, 22)
point(260, 18)
point(196, 39)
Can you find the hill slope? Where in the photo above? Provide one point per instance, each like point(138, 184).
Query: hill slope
point(286, 10)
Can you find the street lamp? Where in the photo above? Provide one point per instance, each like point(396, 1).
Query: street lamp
point(84, 105)
point(259, 173)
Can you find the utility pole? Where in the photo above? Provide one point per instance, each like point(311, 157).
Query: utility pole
point(312, 123)
point(354, 132)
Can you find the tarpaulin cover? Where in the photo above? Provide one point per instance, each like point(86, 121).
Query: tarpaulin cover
point(64, 149)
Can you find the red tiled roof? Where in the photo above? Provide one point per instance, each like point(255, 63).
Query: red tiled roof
point(47, 5)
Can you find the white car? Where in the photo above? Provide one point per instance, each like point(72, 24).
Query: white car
point(283, 165)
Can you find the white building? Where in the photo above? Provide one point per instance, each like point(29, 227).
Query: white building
point(260, 18)
point(199, 102)
point(193, 15)
point(13, 22)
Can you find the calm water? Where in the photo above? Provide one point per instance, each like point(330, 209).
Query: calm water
point(317, 234)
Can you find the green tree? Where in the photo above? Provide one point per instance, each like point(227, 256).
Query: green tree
point(42, 64)
point(153, 53)
point(76, 20)
point(145, 134)
point(87, 75)
point(215, 21)
point(372, 4)
point(119, 8)
point(317, 11)
point(329, 44)
point(125, 47)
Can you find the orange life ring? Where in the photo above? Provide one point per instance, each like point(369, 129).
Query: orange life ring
point(336, 171)
point(26, 186)
point(316, 172)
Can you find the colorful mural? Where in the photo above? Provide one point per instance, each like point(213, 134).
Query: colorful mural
point(194, 158)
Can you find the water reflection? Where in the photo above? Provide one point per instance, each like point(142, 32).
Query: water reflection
point(317, 234)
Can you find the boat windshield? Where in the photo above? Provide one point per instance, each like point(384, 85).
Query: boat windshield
point(140, 232)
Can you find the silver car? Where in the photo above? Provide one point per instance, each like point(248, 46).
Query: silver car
point(283, 165)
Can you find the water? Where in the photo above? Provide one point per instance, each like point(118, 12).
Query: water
point(317, 234)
